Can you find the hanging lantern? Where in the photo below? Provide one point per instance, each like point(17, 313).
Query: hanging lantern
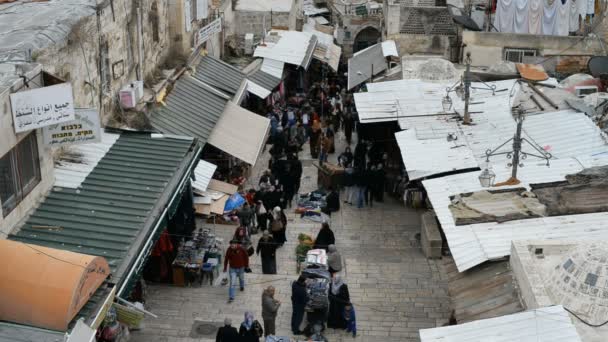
point(486, 178)
point(460, 91)
point(446, 102)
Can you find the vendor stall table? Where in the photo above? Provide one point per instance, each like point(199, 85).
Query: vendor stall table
point(329, 174)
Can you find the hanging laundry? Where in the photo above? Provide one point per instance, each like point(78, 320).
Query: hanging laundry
point(562, 19)
point(504, 20)
point(535, 16)
point(522, 11)
point(573, 20)
point(549, 17)
point(590, 8)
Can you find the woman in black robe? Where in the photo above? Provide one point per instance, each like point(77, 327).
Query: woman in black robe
point(280, 235)
point(325, 237)
point(338, 298)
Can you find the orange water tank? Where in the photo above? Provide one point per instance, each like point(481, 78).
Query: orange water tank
point(46, 287)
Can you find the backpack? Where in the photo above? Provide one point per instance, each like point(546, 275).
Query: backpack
point(276, 226)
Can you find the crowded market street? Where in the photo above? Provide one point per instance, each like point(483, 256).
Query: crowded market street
point(394, 288)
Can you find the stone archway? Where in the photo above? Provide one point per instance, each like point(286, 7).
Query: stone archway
point(365, 38)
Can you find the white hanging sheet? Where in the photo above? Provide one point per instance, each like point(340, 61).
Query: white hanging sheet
point(573, 20)
point(590, 6)
point(535, 16)
point(549, 14)
point(504, 19)
point(521, 23)
point(582, 8)
point(562, 19)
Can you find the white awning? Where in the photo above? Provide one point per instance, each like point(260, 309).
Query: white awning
point(326, 51)
point(240, 133)
point(290, 47)
point(369, 62)
point(273, 67)
point(203, 174)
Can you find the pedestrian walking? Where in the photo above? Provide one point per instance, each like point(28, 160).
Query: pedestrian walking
point(260, 213)
point(338, 298)
point(245, 215)
point(381, 181)
point(346, 157)
point(278, 225)
point(267, 248)
point(370, 185)
point(325, 237)
point(351, 320)
point(296, 172)
point(251, 330)
point(334, 259)
point(270, 307)
point(236, 257)
point(348, 125)
point(325, 143)
point(349, 185)
point(227, 333)
point(299, 298)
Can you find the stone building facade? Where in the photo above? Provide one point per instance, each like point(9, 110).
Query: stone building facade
point(99, 46)
point(356, 28)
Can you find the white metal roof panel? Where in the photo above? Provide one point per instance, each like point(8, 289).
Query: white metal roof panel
point(326, 51)
point(425, 151)
point(264, 5)
point(290, 47)
point(465, 245)
point(203, 173)
point(365, 63)
point(240, 133)
point(389, 48)
point(78, 161)
point(549, 324)
point(273, 67)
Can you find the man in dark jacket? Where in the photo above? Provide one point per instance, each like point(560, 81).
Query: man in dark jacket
point(299, 298)
point(227, 333)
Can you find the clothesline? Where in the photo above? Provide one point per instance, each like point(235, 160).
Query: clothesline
point(556, 18)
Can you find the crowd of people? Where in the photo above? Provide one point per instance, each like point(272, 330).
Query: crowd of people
point(315, 120)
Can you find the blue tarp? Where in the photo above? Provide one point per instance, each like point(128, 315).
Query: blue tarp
point(234, 202)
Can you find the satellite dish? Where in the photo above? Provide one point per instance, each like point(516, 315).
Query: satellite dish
point(598, 65)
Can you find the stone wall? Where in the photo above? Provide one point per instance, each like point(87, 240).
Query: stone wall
point(253, 22)
point(487, 48)
point(430, 237)
point(109, 42)
point(8, 139)
point(418, 44)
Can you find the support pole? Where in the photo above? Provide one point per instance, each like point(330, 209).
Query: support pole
point(517, 143)
point(467, 86)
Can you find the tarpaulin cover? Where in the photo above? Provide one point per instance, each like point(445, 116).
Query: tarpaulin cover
point(234, 202)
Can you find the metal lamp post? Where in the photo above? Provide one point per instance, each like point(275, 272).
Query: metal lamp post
point(516, 154)
point(462, 88)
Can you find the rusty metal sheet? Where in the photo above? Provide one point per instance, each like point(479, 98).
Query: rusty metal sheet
point(532, 72)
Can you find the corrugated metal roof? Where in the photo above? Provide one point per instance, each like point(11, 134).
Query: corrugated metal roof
point(203, 173)
point(219, 74)
point(364, 63)
point(75, 164)
point(193, 108)
point(425, 150)
point(116, 205)
point(326, 51)
point(264, 5)
point(549, 324)
point(290, 47)
point(265, 80)
point(464, 244)
point(273, 67)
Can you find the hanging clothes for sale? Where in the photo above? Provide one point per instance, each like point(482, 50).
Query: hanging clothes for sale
point(582, 9)
point(535, 16)
point(504, 20)
point(549, 17)
point(590, 7)
point(521, 23)
point(574, 12)
point(562, 19)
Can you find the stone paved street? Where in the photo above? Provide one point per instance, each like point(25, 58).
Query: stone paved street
point(395, 290)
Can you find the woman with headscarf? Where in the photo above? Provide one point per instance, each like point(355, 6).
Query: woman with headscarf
point(251, 330)
point(278, 225)
point(346, 157)
point(338, 298)
point(325, 237)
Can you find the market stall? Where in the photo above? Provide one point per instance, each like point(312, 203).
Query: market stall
point(329, 175)
point(197, 259)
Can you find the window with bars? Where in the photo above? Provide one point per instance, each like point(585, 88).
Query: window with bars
point(19, 173)
point(517, 55)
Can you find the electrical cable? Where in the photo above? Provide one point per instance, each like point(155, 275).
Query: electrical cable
point(584, 321)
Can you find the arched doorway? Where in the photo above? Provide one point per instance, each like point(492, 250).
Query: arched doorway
point(367, 37)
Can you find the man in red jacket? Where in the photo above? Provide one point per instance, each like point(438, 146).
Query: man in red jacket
point(237, 258)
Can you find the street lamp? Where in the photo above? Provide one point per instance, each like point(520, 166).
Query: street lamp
point(516, 154)
point(463, 86)
point(486, 177)
point(446, 103)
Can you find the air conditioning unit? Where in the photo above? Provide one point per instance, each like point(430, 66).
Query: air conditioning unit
point(582, 91)
point(127, 97)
